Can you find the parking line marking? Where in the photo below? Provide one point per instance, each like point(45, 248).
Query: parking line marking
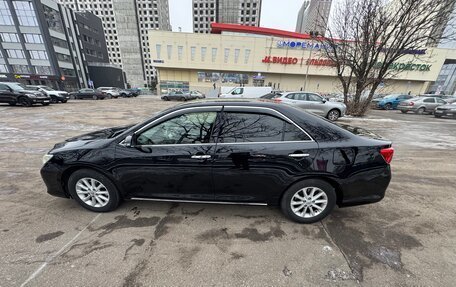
point(52, 257)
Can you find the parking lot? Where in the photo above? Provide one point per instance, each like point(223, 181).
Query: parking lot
point(408, 239)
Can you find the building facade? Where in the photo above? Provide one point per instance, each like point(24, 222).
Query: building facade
point(39, 45)
point(280, 59)
point(244, 12)
point(313, 16)
point(125, 24)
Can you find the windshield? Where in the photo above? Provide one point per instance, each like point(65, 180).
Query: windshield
point(17, 86)
point(390, 96)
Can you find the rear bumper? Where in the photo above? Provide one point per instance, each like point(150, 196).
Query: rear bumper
point(365, 187)
point(406, 108)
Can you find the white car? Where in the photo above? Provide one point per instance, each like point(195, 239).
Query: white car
point(56, 96)
point(111, 92)
point(313, 103)
point(246, 92)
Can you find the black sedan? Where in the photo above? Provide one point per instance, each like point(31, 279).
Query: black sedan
point(88, 94)
point(243, 152)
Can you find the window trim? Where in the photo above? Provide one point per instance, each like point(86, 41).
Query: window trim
point(218, 109)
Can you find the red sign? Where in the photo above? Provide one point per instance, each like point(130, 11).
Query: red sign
point(294, 61)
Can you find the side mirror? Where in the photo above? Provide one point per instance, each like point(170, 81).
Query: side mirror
point(128, 141)
point(323, 101)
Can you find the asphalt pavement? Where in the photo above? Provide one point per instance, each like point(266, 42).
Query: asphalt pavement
point(407, 239)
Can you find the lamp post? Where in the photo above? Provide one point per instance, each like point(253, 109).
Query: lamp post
point(313, 34)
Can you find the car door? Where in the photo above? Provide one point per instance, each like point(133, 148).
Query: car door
point(439, 102)
point(170, 158)
point(6, 96)
point(315, 104)
point(259, 153)
point(429, 104)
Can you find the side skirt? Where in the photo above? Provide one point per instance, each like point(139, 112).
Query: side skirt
point(197, 201)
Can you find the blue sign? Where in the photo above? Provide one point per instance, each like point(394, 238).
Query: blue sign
point(300, 45)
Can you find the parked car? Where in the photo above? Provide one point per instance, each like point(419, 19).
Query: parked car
point(177, 96)
point(448, 110)
point(134, 91)
point(17, 94)
point(270, 96)
point(390, 102)
point(246, 92)
point(197, 94)
point(420, 105)
point(111, 92)
point(55, 95)
point(314, 103)
point(451, 100)
point(256, 153)
point(88, 94)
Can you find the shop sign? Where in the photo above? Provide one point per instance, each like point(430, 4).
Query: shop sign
point(3, 76)
point(301, 45)
point(22, 76)
point(43, 77)
point(294, 61)
point(410, 51)
point(406, 67)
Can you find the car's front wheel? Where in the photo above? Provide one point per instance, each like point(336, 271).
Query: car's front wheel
point(333, 115)
point(403, 111)
point(95, 97)
point(93, 190)
point(54, 100)
point(23, 101)
point(388, 106)
point(308, 201)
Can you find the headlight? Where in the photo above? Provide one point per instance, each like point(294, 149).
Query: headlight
point(46, 158)
point(31, 95)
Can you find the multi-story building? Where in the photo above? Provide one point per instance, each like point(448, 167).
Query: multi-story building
point(313, 16)
point(125, 24)
point(39, 45)
point(244, 12)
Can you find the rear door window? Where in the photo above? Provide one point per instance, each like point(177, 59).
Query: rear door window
point(257, 127)
point(429, 100)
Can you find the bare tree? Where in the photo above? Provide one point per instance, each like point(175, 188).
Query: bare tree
point(365, 38)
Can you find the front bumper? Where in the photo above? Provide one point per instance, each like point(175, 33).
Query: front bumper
point(445, 113)
point(52, 177)
point(40, 100)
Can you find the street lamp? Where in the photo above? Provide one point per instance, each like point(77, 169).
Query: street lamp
point(313, 34)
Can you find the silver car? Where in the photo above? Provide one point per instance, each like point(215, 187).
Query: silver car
point(314, 103)
point(420, 105)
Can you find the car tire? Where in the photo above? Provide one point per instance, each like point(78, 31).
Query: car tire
point(124, 95)
point(404, 112)
point(165, 98)
point(45, 104)
point(54, 100)
point(12, 104)
point(64, 101)
point(333, 115)
point(25, 102)
point(110, 96)
point(93, 190)
point(437, 116)
point(95, 97)
point(388, 106)
point(420, 111)
point(298, 205)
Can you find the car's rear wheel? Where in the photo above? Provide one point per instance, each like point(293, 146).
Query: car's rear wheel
point(437, 116)
point(165, 98)
point(420, 111)
point(388, 106)
point(64, 101)
point(333, 115)
point(45, 104)
point(95, 97)
point(12, 104)
point(404, 112)
point(25, 102)
point(308, 201)
point(93, 191)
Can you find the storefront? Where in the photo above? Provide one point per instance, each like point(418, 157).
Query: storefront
point(268, 57)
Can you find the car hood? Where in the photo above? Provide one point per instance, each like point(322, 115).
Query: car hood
point(91, 140)
point(38, 93)
point(448, 106)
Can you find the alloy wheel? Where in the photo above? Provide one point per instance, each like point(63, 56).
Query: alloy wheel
point(309, 202)
point(92, 192)
point(333, 115)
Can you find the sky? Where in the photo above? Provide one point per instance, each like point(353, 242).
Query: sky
point(274, 14)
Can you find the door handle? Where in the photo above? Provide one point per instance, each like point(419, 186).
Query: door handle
point(204, 156)
point(298, 155)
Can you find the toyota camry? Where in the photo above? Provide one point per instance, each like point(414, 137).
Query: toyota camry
point(229, 152)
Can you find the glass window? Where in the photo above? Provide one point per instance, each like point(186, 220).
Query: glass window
point(25, 13)
point(203, 54)
point(38, 55)
point(59, 43)
point(179, 52)
point(429, 100)
point(238, 91)
point(236, 55)
point(158, 48)
point(253, 127)
point(440, 101)
point(43, 70)
point(53, 19)
point(33, 38)
point(21, 69)
point(3, 69)
point(314, 98)
point(16, 54)
point(5, 14)
point(192, 128)
point(214, 54)
point(227, 54)
point(63, 57)
point(169, 49)
point(192, 53)
point(246, 56)
point(9, 37)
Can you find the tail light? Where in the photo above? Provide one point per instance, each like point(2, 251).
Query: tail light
point(411, 104)
point(387, 154)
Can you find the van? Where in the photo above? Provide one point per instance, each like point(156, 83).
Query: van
point(246, 92)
